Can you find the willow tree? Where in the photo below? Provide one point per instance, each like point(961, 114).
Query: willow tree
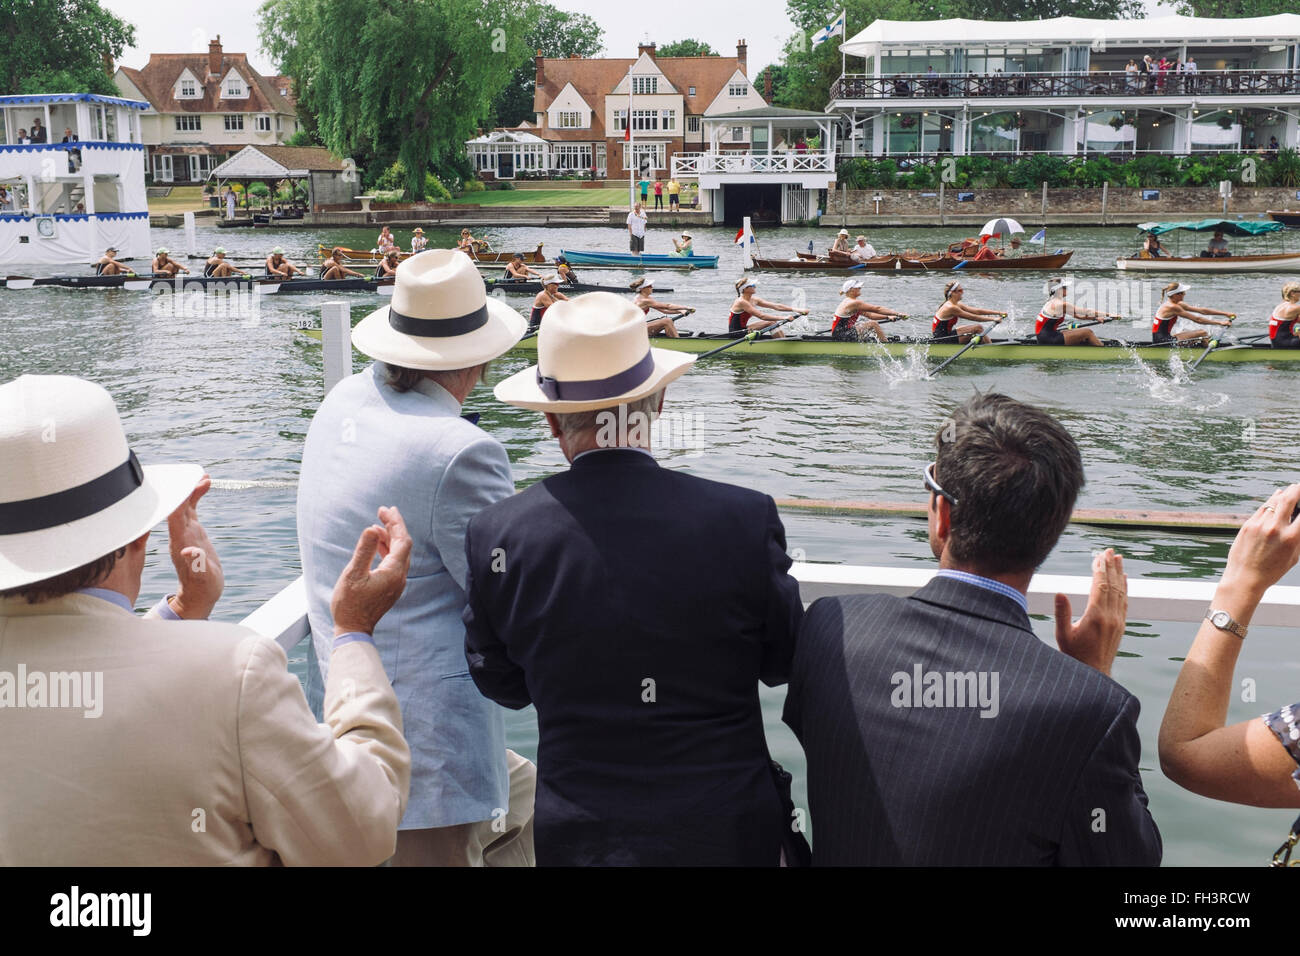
point(411, 78)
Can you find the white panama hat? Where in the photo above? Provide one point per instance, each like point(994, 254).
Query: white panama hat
point(440, 318)
point(843, 232)
point(71, 489)
point(592, 352)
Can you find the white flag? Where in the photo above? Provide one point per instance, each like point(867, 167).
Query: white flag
point(833, 29)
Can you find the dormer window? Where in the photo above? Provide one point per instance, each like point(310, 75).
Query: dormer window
point(189, 89)
point(233, 87)
point(737, 89)
point(645, 85)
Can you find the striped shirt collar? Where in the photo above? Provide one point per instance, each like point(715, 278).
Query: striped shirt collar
point(988, 584)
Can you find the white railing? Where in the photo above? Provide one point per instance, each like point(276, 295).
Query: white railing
point(695, 164)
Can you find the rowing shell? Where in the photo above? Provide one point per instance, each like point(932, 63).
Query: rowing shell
point(498, 285)
point(370, 255)
point(1007, 351)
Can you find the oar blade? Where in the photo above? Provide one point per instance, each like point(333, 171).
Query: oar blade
point(20, 283)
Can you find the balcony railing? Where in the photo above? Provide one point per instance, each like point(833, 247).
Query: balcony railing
point(695, 164)
point(1113, 83)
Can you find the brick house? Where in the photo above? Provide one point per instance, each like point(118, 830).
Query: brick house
point(581, 114)
point(204, 109)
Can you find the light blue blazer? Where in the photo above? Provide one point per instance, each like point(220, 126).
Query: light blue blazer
point(370, 446)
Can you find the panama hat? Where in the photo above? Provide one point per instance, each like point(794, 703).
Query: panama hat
point(72, 491)
point(844, 232)
point(419, 231)
point(440, 318)
point(592, 352)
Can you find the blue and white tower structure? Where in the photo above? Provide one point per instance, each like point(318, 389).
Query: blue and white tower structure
point(65, 202)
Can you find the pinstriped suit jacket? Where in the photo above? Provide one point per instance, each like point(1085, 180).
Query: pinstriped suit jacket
point(1051, 779)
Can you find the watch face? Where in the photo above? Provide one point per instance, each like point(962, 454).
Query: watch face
point(1220, 619)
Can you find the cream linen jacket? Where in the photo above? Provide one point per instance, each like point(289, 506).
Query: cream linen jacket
point(203, 752)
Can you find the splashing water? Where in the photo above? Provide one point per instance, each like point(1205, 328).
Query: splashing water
point(912, 366)
point(1179, 388)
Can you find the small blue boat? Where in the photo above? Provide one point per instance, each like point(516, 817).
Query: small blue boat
point(630, 260)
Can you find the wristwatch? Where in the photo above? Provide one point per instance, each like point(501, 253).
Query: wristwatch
point(1224, 622)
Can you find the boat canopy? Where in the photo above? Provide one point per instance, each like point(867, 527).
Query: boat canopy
point(1230, 226)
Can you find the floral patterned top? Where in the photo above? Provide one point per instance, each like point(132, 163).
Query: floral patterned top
point(1283, 723)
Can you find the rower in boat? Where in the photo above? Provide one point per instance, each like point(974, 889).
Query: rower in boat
point(277, 265)
point(1174, 308)
point(1057, 308)
point(418, 242)
point(842, 242)
point(1286, 314)
point(218, 268)
point(388, 265)
point(855, 319)
point(645, 301)
point(333, 267)
point(107, 265)
point(549, 295)
point(165, 265)
point(683, 247)
point(385, 241)
point(745, 315)
point(565, 271)
point(517, 270)
point(944, 328)
point(468, 244)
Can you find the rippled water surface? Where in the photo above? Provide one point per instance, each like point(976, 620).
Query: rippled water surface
point(237, 395)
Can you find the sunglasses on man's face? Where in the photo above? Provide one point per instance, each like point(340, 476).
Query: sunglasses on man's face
point(933, 486)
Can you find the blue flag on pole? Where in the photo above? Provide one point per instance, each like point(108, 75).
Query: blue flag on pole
point(833, 29)
point(1039, 236)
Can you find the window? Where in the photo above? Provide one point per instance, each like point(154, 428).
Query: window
point(692, 91)
point(620, 120)
point(645, 85)
point(737, 134)
point(570, 120)
point(654, 150)
point(645, 119)
point(189, 123)
point(669, 119)
point(279, 122)
point(235, 89)
point(264, 124)
point(189, 89)
point(573, 156)
point(738, 89)
point(234, 122)
point(692, 124)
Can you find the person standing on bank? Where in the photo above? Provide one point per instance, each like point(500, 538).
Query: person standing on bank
point(394, 433)
point(196, 721)
point(889, 695)
point(636, 223)
point(651, 748)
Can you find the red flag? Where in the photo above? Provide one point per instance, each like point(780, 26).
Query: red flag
point(627, 133)
point(740, 234)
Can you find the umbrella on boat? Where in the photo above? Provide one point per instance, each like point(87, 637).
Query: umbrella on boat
point(1001, 227)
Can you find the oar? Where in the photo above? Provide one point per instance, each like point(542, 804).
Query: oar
point(975, 340)
point(267, 288)
point(20, 282)
point(1214, 344)
point(748, 337)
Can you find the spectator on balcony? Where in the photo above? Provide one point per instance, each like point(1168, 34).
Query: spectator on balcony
point(1147, 67)
point(1131, 75)
point(23, 139)
point(74, 155)
point(1162, 73)
point(38, 131)
point(1273, 146)
point(901, 86)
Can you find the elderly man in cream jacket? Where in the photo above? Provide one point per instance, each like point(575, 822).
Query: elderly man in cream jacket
point(161, 740)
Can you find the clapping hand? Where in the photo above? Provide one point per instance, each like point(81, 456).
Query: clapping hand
point(1266, 547)
point(362, 596)
point(200, 579)
point(1094, 639)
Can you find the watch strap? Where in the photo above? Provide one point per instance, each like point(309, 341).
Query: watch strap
point(1231, 626)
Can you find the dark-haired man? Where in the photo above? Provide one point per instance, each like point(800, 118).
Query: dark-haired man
point(939, 730)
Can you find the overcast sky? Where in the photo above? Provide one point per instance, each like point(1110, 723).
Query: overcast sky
point(181, 26)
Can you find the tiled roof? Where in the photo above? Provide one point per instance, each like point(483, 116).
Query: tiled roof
point(594, 79)
point(314, 158)
point(157, 83)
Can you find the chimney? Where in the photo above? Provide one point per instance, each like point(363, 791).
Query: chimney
point(537, 64)
point(767, 85)
point(214, 56)
point(644, 48)
point(742, 55)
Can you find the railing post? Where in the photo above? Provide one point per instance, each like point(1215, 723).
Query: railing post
point(336, 337)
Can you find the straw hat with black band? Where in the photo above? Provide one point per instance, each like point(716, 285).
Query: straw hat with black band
point(71, 488)
point(592, 353)
point(441, 317)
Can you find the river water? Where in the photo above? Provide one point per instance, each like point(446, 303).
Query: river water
point(237, 394)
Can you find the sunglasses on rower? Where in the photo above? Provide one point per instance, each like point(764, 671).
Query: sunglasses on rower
point(933, 486)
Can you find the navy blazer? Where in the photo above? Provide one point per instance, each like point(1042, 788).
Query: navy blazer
point(637, 608)
point(1051, 779)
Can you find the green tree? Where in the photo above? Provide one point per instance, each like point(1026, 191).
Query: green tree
point(1233, 8)
point(686, 47)
point(556, 33)
point(408, 79)
point(60, 46)
point(777, 72)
